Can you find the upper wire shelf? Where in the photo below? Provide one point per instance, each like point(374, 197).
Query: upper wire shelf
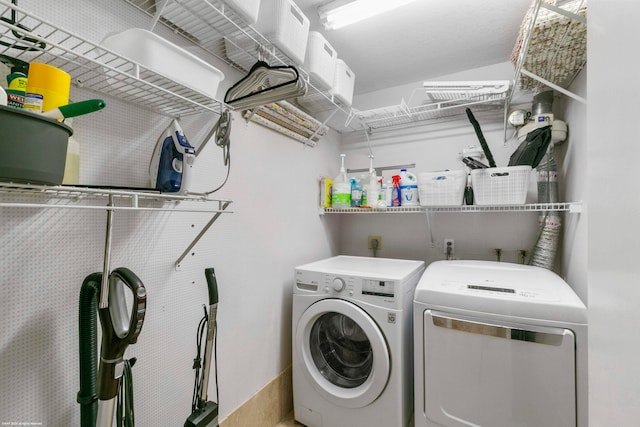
point(219, 30)
point(436, 100)
point(78, 197)
point(551, 49)
point(94, 67)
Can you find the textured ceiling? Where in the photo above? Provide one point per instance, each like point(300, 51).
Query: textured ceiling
point(425, 39)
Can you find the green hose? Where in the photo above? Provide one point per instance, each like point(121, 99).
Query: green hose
point(88, 329)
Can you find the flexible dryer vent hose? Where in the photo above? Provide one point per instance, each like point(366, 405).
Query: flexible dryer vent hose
point(88, 328)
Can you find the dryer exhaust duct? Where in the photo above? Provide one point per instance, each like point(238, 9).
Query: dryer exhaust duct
point(546, 246)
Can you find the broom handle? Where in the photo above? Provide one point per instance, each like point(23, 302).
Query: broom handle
point(483, 142)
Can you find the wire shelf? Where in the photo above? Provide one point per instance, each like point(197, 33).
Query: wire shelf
point(217, 29)
point(436, 100)
point(62, 196)
point(572, 207)
point(94, 67)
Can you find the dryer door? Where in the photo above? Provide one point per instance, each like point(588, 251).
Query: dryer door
point(479, 372)
point(342, 352)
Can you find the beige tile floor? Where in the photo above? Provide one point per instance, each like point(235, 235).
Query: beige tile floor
point(289, 422)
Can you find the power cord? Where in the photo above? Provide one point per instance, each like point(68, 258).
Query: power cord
point(374, 247)
point(222, 130)
point(197, 362)
point(125, 416)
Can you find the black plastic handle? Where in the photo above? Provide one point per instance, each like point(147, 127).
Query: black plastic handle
point(212, 285)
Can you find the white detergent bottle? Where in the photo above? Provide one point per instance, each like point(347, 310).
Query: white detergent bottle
point(341, 197)
point(409, 188)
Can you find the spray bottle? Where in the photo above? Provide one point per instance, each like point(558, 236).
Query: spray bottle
point(341, 197)
point(396, 199)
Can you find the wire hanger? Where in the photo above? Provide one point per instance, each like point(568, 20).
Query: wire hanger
point(39, 45)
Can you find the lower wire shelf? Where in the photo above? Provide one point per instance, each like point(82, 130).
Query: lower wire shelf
point(17, 195)
point(572, 207)
point(105, 198)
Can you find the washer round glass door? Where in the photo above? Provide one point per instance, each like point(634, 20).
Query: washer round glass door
point(342, 352)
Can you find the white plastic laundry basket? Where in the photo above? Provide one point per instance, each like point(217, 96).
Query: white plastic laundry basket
point(500, 186)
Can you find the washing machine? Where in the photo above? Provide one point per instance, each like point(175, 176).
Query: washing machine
point(500, 345)
point(352, 346)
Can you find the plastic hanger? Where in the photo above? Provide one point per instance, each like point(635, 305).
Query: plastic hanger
point(265, 84)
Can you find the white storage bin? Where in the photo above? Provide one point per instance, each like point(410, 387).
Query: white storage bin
point(283, 23)
point(165, 58)
point(343, 83)
point(500, 186)
point(246, 9)
point(443, 188)
point(320, 61)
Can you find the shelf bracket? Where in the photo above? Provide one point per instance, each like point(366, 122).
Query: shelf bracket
point(429, 228)
point(104, 286)
point(178, 263)
point(553, 86)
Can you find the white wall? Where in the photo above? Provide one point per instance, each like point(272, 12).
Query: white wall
point(613, 220)
point(47, 253)
point(572, 155)
point(433, 147)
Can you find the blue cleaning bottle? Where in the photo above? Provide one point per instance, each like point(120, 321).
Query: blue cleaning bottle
point(356, 193)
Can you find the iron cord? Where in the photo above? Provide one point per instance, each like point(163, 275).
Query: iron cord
point(222, 131)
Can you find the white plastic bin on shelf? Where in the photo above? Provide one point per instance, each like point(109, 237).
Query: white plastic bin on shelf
point(246, 9)
point(284, 24)
point(320, 61)
point(500, 186)
point(343, 83)
point(442, 188)
point(165, 58)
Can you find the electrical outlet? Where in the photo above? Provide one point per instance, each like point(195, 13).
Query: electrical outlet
point(449, 243)
point(377, 245)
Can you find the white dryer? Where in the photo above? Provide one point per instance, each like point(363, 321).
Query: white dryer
point(499, 345)
point(351, 328)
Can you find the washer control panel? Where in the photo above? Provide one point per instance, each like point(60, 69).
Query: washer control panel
point(381, 288)
point(384, 292)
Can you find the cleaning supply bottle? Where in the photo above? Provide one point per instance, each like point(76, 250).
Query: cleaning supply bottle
point(356, 193)
point(373, 188)
point(408, 188)
point(388, 191)
point(341, 197)
point(364, 184)
point(396, 199)
point(382, 200)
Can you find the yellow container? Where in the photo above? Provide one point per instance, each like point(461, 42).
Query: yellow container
point(47, 88)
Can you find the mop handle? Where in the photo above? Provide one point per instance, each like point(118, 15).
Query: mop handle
point(212, 285)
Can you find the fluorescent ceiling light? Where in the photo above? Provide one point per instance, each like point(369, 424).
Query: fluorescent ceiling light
point(341, 13)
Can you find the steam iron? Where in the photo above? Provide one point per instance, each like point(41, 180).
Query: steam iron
point(173, 157)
